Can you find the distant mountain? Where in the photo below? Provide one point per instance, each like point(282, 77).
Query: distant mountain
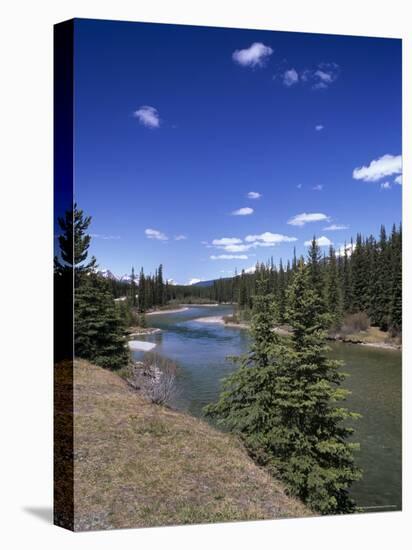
point(107, 274)
point(210, 283)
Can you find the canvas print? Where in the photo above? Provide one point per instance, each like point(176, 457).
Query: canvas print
point(227, 274)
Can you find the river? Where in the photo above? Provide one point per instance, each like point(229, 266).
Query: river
point(201, 351)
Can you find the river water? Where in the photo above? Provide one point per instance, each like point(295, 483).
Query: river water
point(201, 350)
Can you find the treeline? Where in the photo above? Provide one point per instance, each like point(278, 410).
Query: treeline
point(147, 292)
point(365, 276)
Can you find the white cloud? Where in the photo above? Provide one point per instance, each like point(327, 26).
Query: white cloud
point(226, 241)
point(194, 281)
point(319, 127)
point(386, 185)
point(290, 77)
point(253, 195)
point(398, 180)
point(229, 257)
point(148, 116)
point(387, 165)
point(317, 187)
point(349, 249)
point(321, 241)
point(335, 227)
point(155, 234)
point(236, 245)
point(324, 75)
point(104, 237)
point(301, 219)
point(180, 237)
point(172, 282)
point(299, 186)
point(254, 56)
point(243, 211)
point(250, 269)
point(319, 77)
point(269, 238)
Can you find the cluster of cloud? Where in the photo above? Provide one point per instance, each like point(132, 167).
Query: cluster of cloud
point(246, 211)
point(235, 246)
point(319, 127)
point(159, 236)
point(318, 78)
point(381, 168)
point(304, 218)
point(321, 241)
point(317, 187)
point(156, 234)
point(148, 116)
point(255, 56)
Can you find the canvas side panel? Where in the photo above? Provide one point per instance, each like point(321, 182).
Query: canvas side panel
point(63, 275)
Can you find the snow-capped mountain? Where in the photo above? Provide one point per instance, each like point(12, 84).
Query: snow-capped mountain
point(107, 274)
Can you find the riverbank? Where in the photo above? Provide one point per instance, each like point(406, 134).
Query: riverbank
point(163, 311)
point(143, 465)
point(142, 331)
point(373, 337)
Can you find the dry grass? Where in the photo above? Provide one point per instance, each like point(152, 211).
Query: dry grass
point(140, 465)
point(373, 336)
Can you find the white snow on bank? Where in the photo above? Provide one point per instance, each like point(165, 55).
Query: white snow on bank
point(139, 345)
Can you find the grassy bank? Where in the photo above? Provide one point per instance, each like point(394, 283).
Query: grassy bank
point(141, 465)
point(371, 336)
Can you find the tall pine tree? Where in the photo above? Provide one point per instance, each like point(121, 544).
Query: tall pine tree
point(282, 401)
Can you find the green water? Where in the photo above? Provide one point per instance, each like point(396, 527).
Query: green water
point(201, 351)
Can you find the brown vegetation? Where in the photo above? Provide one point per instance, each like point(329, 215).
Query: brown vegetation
point(137, 464)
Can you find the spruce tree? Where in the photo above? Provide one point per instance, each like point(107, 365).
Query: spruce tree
point(246, 404)
point(360, 280)
point(281, 293)
point(282, 401)
point(99, 329)
point(334, 295)
point(315, 270)
point(133, 287)
point(142, 302)
point(318, 463)
point(74, 244)
point(242, 290)
point(347, 281)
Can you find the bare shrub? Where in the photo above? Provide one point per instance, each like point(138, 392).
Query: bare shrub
point(231, 319)
point(155, 377)
point(355, 322)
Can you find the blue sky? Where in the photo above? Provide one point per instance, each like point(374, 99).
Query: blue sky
point(175, 126)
